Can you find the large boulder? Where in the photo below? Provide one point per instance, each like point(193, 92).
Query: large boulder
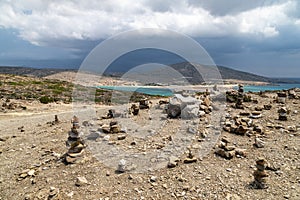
point(190, 112)
point(185, 107)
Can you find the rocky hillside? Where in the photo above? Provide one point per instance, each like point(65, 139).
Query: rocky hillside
point(27, 71)
point(188, 70)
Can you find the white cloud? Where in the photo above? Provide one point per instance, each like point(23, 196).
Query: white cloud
point(42, 21)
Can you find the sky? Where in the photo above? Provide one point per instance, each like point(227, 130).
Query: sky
point(258, 36)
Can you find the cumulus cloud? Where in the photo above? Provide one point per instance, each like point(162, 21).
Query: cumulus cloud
point(41, 22)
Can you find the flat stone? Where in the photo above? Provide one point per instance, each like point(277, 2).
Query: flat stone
point(31, 172)
point(115, 128)
point(229, 148)
point(153, 179)
point(121, 137)
point(189, 160)
point(241, 152)
point(259, 143)
point(80, 181)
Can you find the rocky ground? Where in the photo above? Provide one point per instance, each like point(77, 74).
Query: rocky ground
point(209, 163)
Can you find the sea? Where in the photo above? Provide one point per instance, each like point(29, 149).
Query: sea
point(145, 90)
point(275, 87)
point(165, 92)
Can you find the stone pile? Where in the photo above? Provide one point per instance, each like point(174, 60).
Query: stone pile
point(292, 94)
point(241, 89)
point(75, 143)
point(206, 106)
point(134, 109)
point(228, 151)
point(113, 127)
point(112, 113)
point(240, 97)
point(260, 175)
point(225, 150)
point(281, 97)
point(190, 157)
point(238, 125)
point(231, 96)
point(282, 114)
point(144, 104)
point(267, 107)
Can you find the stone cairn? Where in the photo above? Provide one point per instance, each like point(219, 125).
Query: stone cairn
point(75, 143)
point(228, 151)
point(282, 112)
point(144, 104)
point(260, 175)
point(134, 109)
point(281, 97)
point(240, 97)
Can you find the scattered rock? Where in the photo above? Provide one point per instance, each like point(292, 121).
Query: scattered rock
point(54, 193)
point(121, 137)
point(80, 181)
point(173, 161)
point(122, 166)
point(153, 179)
point(259, 143)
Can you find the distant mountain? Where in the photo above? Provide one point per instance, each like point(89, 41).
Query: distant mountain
point(186, 69)
point(286, 80)
point(189, 70)
point(27, 71)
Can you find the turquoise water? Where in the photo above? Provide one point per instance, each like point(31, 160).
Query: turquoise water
point(167, 92)
point(145, 90)
point(258, 88)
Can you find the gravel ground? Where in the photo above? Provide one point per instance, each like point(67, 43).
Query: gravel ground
point(31, 147)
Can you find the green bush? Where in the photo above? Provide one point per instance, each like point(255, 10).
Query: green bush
point(46, 99)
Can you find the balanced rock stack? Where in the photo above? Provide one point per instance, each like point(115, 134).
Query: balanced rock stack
point(112, 113)
point(74, 134)
point(282, 112)
point(113, 127)
point(225, 150)
point(144, 104)
point(134, 109)
point(190, 157)
point(260, 175)
point(281, 97)
point(292, 94)
point(75, 142)
point(240, 97)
